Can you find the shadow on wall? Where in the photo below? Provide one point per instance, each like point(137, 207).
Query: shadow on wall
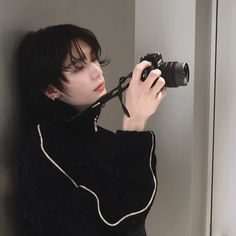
point(10, 129)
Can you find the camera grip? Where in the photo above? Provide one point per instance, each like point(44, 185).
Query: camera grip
point(146, 72)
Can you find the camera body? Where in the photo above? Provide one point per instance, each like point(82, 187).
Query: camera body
point(175, 73)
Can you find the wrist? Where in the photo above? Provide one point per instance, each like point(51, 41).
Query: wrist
point(133, 124)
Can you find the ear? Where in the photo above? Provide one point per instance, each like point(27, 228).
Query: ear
point(52, 92)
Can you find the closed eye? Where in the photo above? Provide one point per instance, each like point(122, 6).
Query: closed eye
point(78, 67)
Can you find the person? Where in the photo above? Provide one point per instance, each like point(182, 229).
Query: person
point(75, 177)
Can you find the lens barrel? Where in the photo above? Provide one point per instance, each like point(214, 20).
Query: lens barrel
point(175, 73)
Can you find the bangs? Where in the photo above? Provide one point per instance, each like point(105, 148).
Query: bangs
point(74, 60)
point(80, 55)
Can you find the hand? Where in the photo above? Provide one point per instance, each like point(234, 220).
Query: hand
point(143, 98)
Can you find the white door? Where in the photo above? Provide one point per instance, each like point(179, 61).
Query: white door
point(224, 171)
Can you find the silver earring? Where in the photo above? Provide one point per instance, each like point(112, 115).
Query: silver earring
point(53, 99)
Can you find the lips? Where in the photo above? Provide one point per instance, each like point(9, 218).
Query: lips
point(100, 87)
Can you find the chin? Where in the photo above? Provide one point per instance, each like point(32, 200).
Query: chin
point(102, 93)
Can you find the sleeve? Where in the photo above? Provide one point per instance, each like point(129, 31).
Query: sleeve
point(122, 177)
point(135, 154)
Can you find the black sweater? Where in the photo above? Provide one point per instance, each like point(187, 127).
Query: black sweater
point(78, 179)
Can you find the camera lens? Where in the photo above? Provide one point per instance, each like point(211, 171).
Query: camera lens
point(181, 74)
point(175, 73)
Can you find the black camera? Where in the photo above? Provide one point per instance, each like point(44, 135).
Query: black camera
point(175, 73)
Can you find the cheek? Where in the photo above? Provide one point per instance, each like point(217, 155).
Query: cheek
point(78, 88)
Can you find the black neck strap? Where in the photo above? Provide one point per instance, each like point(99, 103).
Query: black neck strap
point(117, 91)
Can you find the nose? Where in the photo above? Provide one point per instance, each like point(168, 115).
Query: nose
point(95, 70)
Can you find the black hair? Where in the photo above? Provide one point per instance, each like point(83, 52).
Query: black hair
point(40, 59)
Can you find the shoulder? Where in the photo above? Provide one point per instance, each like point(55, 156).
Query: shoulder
point(32, 159)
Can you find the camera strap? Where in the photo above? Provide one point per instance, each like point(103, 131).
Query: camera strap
point(117, 91)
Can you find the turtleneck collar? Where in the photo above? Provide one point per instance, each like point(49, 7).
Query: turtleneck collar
point(85, 120)
point(66, 116)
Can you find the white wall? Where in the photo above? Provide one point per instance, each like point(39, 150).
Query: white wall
point(224, 183)
point(180, 30)
point(112, 22)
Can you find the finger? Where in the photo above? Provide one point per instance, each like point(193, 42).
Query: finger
point(138, 70)
point(162, 94)
point(158, 86)
point(152, 78)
